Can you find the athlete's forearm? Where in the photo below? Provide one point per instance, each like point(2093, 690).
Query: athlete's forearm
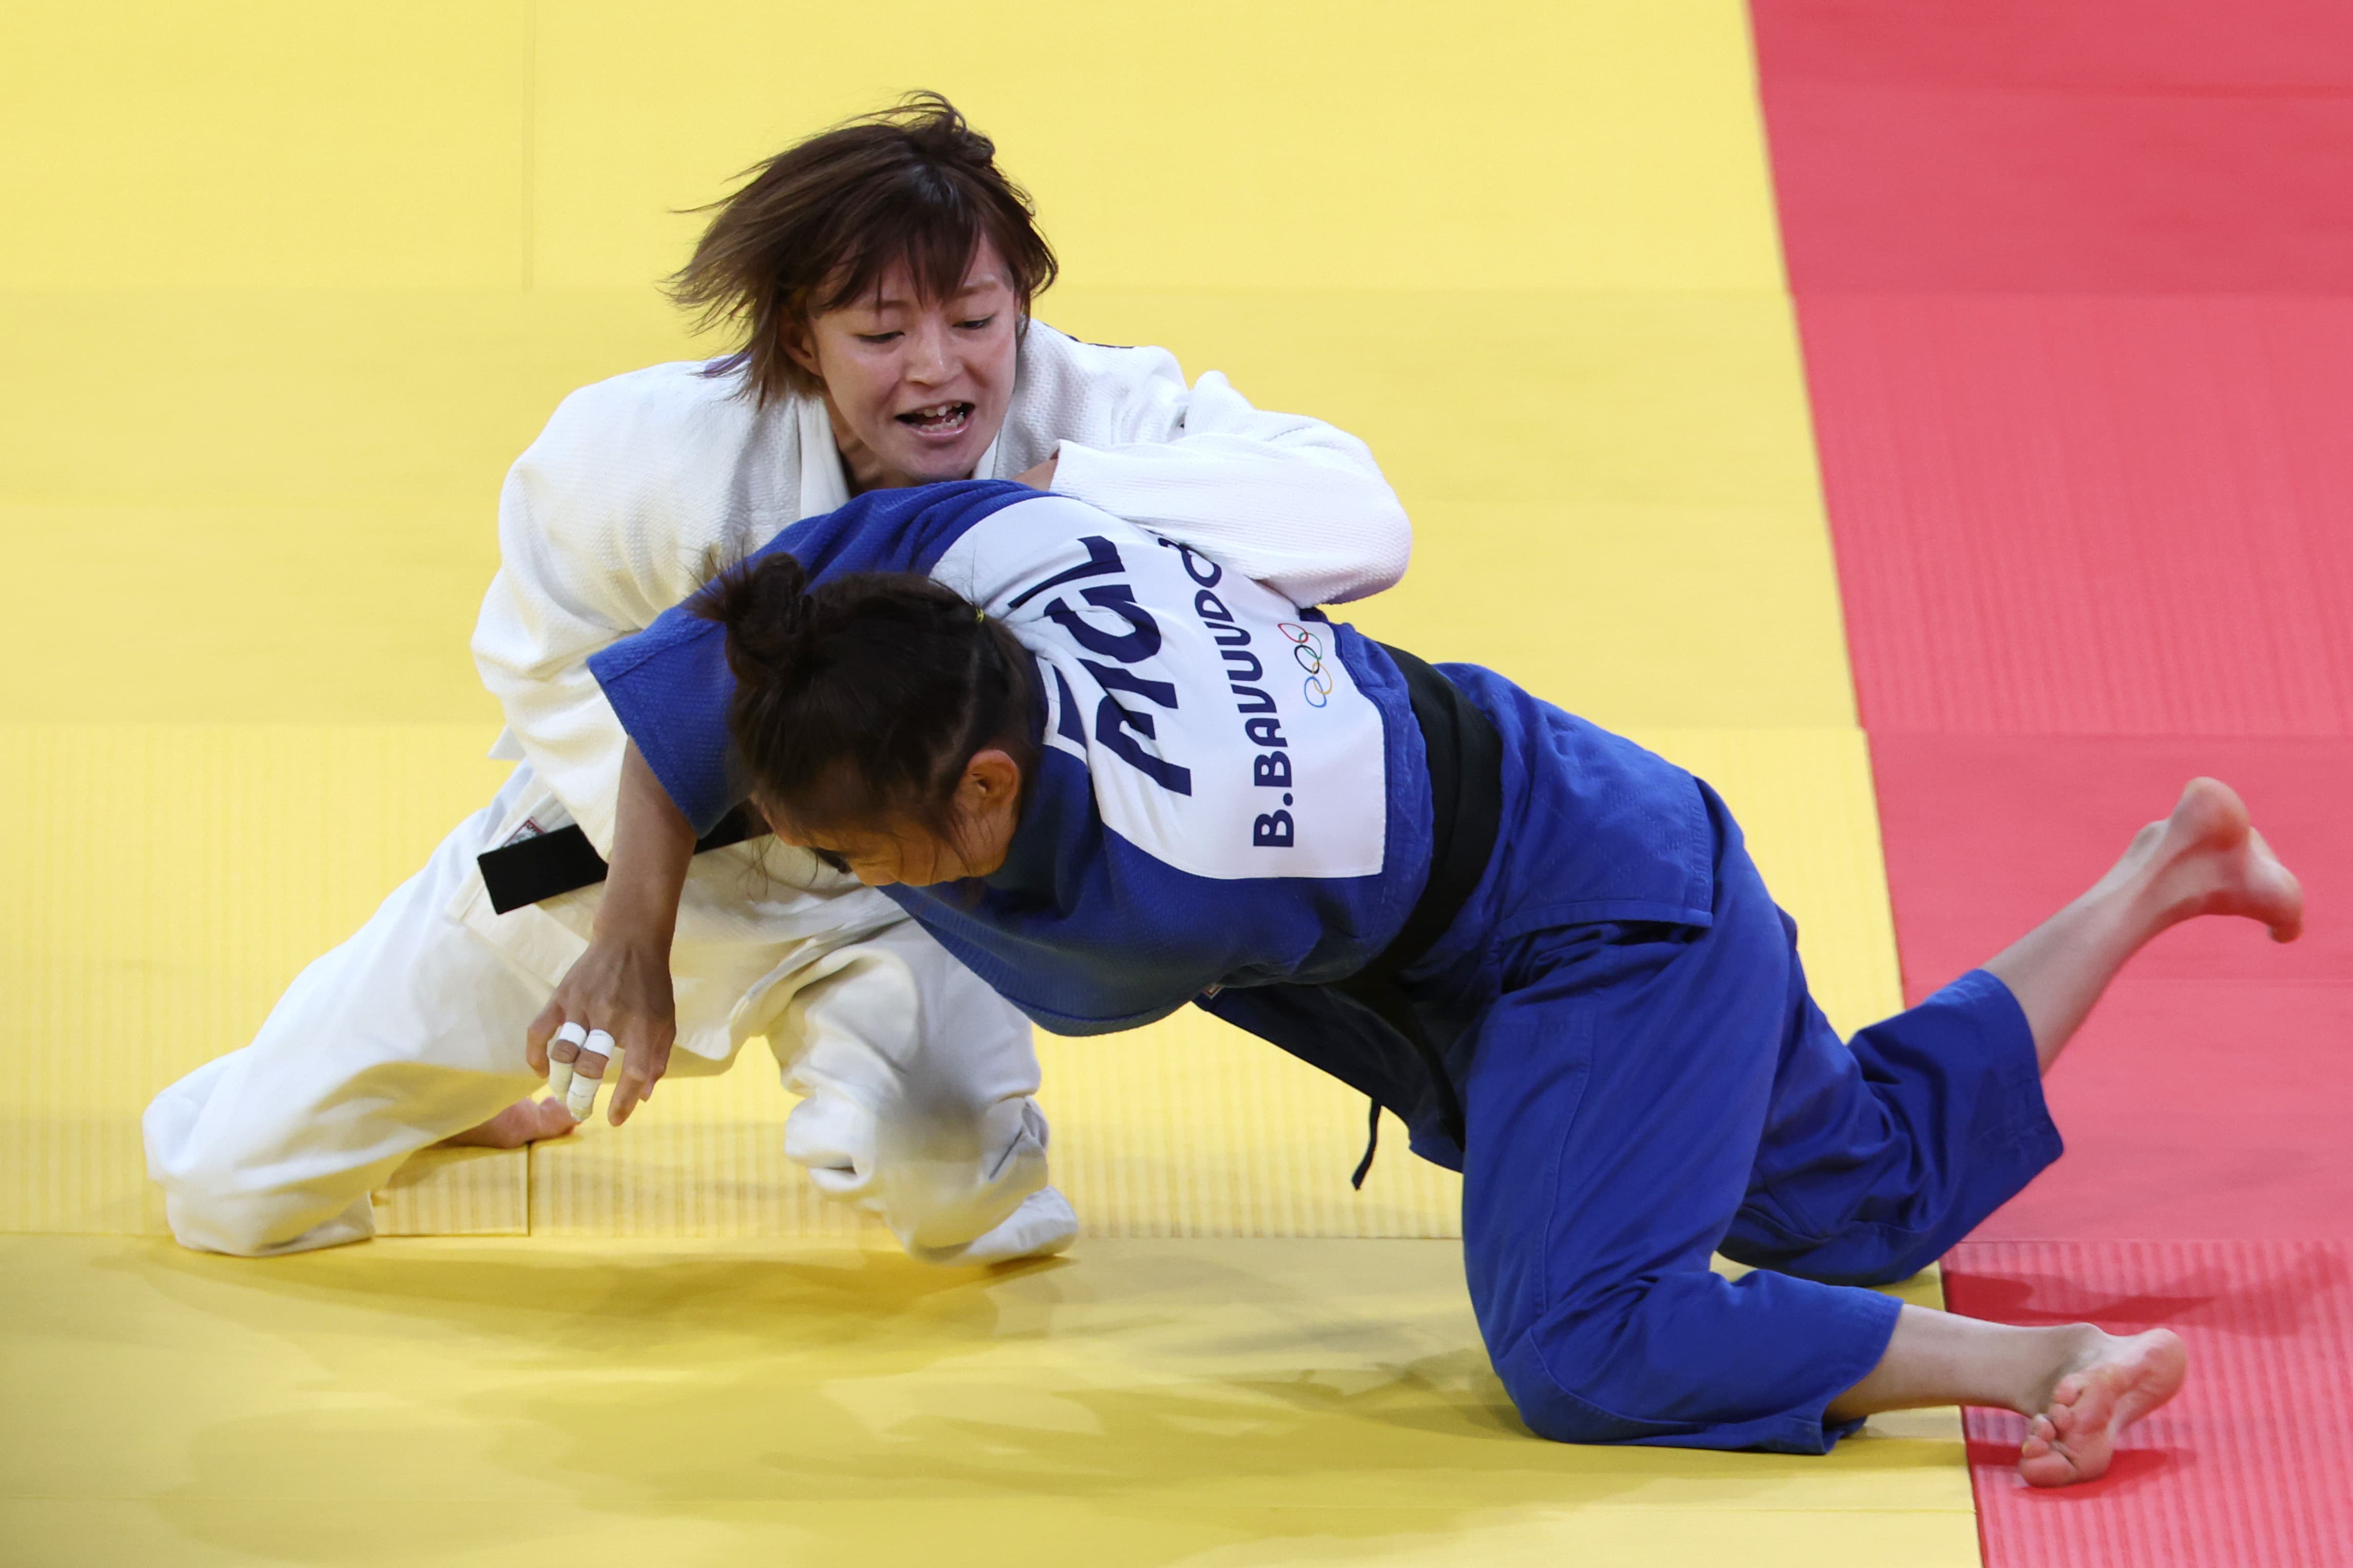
point(652, 845)
point(1311, 523)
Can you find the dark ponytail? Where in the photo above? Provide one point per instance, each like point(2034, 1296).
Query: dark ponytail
point(858, 702)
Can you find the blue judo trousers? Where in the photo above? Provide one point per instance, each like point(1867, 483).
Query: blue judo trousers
point(1641, 1093)
point(1635, 1101)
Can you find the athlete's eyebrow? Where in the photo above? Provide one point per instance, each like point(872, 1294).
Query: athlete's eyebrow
point(978, 286)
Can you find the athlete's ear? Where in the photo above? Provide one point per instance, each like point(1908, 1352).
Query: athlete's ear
point(987, 804)
point(798, 344)
point(991, 783)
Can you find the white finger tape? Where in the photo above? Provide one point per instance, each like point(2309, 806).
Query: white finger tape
point(598, 1041)
point(572, 1034)
point(559, 1078)
point(580, 1096)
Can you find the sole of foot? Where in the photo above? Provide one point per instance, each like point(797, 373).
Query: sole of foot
point(2074, 1437)
point(524, 1122)
point(2211, 861)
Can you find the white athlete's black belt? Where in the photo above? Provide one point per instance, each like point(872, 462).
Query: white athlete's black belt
point(563, 861)
point(1466, 798)
point(1466, 794)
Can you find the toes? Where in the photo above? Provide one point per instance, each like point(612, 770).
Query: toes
point(2048, 1470)
point(2041, 1462)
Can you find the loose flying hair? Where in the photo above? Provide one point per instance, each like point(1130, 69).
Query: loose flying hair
point(815, 228)
point(858, 702)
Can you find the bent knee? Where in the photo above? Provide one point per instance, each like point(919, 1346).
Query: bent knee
point(938, 1181)
point(961, 1183)
point(1555, 1409)
point(1042, 1225)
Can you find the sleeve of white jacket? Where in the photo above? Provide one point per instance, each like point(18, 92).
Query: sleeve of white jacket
point(596, 521)
point(1285, 500)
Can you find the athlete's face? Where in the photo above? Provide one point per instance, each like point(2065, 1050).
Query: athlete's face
point(917, 388)
point(982, 817)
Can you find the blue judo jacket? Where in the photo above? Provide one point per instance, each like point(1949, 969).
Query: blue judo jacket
point(1232, 806)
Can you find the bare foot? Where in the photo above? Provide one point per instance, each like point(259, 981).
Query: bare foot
point(2208, 859)
point(2108, 1388)
point(524, 1122)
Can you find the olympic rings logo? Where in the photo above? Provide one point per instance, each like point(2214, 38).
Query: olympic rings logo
point(1309, 651)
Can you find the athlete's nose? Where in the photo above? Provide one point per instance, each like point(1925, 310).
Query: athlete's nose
point(928, 359)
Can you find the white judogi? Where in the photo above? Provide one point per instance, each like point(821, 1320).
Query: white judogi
point(916, 1080)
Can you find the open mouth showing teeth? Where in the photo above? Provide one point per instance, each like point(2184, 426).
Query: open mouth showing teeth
point(939, 419)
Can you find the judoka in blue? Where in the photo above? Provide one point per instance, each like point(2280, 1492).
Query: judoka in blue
point(1232, 806)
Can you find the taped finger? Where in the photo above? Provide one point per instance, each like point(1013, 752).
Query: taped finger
point(562, 1050)
point(580, 1095)
point(588, 1075)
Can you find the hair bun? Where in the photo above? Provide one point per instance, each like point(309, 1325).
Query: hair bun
point(765, 607)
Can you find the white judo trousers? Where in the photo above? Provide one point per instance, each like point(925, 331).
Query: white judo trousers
point(917, 1080)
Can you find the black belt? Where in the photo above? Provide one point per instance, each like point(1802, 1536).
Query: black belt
point(1466, 798)
point(1466, 794)
point(564, 861)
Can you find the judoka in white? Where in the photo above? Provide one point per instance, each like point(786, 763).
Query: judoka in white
point(888, 345)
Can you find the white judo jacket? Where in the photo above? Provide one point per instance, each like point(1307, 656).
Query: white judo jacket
point(639, 483)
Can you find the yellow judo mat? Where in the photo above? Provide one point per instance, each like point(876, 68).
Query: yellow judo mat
point(286, 288)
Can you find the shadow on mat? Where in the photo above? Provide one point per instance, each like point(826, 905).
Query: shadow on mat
point(1319, 1458)
point(652, 1389)
point(566, 1301)
point(2277, 1303)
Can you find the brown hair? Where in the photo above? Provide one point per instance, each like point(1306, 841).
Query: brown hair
point(816, 227)
point(858, 702)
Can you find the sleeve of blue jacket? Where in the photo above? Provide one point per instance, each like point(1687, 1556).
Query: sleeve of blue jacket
point(670, 685)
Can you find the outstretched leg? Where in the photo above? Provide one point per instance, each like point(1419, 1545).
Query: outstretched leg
point(2078, 1387)
point(405, 1032)
point(2204, 860)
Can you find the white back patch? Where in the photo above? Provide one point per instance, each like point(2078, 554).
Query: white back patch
point(1222, 734)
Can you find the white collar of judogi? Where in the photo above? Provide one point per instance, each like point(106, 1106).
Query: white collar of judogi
point(824, 487)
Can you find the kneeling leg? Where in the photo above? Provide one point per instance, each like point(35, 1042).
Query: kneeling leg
point(919, 1086)
point(1615, 1103)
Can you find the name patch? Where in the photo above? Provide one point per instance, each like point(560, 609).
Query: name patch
point(1221, 732)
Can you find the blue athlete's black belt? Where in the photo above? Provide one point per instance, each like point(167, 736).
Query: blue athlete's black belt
point(1466, 797)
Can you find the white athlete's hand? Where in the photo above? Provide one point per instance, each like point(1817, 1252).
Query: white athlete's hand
point(616, 1001)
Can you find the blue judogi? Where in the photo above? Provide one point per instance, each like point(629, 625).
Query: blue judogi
point(1233, 807)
